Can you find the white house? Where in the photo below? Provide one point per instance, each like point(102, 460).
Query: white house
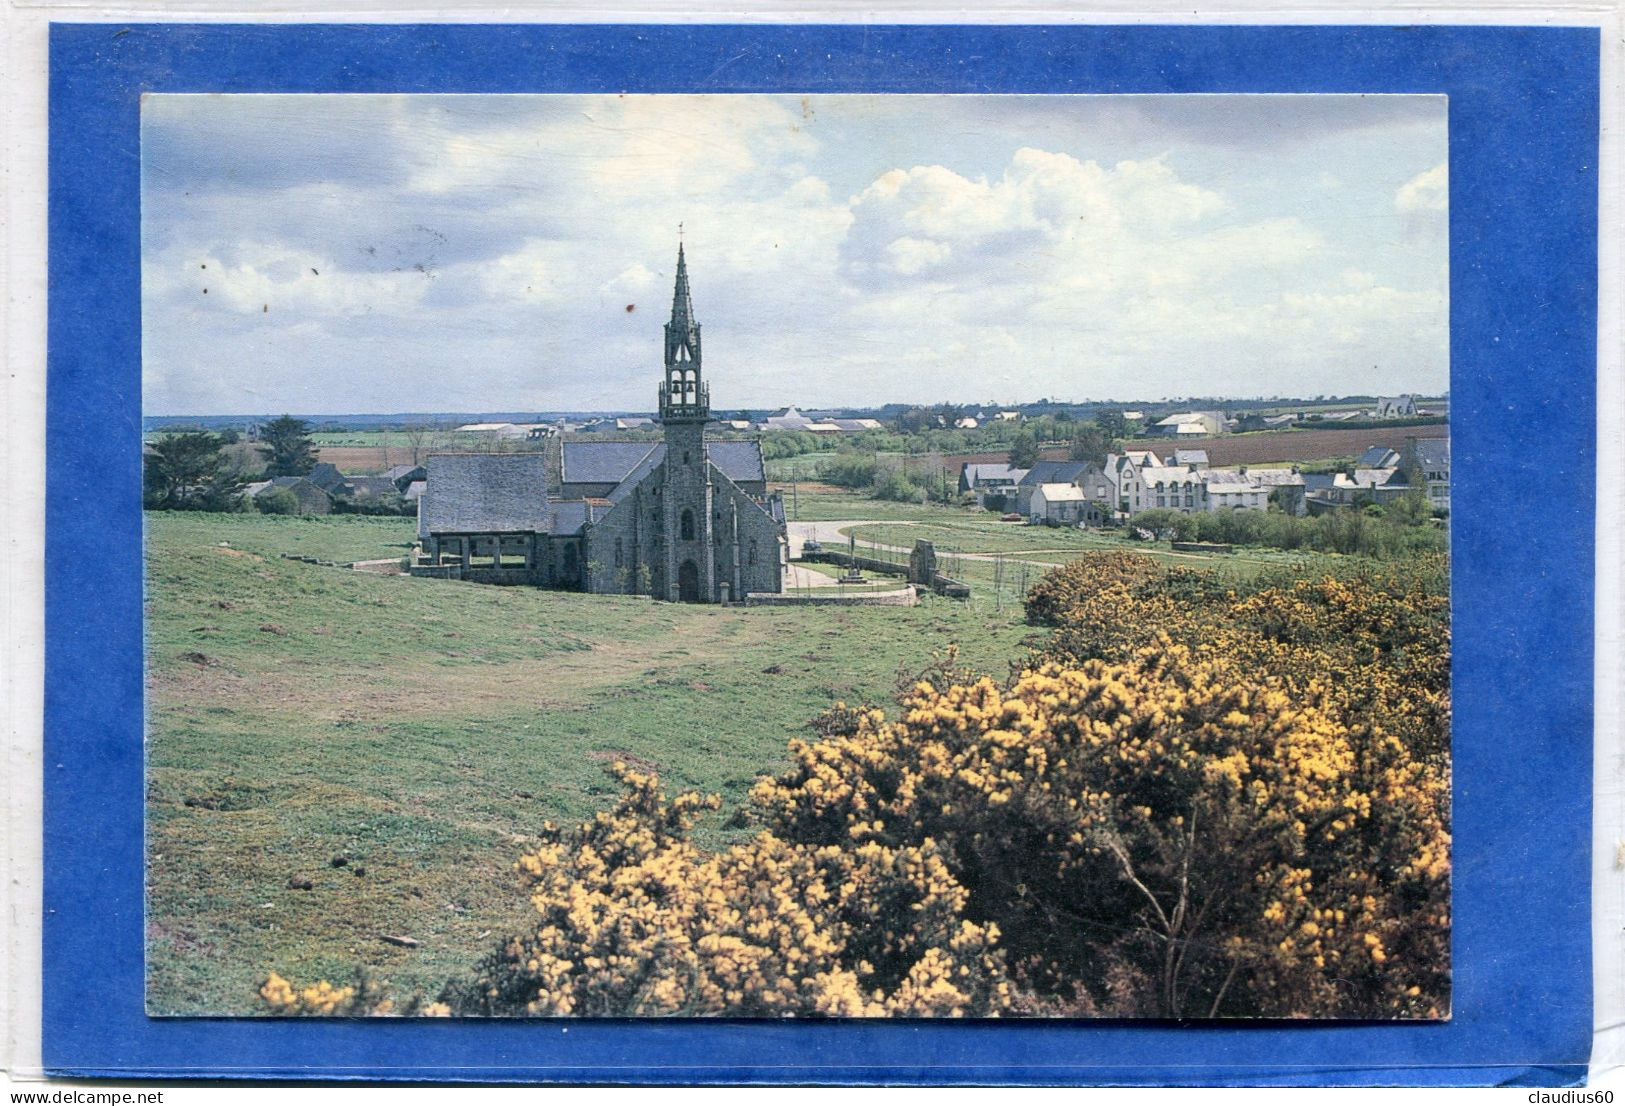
point(1065, 504)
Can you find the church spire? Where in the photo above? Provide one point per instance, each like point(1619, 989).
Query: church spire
point(683, 395)
point(682, 306)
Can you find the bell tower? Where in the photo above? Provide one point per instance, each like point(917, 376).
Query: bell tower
point(686, 494)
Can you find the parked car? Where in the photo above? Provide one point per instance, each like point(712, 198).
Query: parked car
point(811, 546)
point(1011, 517)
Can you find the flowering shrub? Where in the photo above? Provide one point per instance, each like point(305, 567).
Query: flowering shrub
point(365, 998)
point(1058, 591)
point(634, 920)
point(1163, 837)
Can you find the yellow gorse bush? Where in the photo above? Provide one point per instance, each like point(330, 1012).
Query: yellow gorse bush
point(634, 920)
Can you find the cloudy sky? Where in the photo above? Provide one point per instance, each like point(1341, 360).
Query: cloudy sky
point(468, 253)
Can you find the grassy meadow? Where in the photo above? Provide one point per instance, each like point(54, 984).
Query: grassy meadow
point(423, 730)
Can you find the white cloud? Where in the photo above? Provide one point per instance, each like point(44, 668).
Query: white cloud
point(1425, 192)
point(481, 253)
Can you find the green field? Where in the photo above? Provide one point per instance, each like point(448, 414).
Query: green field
point(953, 538)
point(423, 730)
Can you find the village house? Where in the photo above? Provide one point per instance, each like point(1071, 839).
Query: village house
point(1061, 505)
point(1047, 472)
point(991, 482)
point(1429, 460)
point(1396, 407)
point(685, 518)
point(310, 499)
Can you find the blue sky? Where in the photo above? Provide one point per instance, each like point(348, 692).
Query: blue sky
point(468, 253)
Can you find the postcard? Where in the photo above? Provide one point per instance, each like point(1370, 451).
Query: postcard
point(826, 558)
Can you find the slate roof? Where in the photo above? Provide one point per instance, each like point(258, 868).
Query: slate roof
point(1054, 472)
point(613, 462)
point(740, 462)
point(570, 515)
point(1377, 457)
point(371, 487)
point(326, 477)
point(1433, 453)
point(406, 473)
point(602, 462)
point(472, 493)
point(1190, 456)
point(639, 474)
point(993, 474)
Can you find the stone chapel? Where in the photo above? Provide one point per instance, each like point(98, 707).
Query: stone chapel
point(686, 519)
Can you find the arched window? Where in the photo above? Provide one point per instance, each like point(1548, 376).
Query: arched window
point(752, 559)
point(617, 552)
point(685, 525)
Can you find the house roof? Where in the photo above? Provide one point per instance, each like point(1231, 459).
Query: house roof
point(398, 471)
point(1433, 453)
point(370, 487)
point(1054, 472)
point(993, 473)
point(1274, 478)
point(1365, 478)
point(486, 493)
point(1190, 456)
point(326, 476)
point(1060, 493)
point(414, 490)
point(1377, 457)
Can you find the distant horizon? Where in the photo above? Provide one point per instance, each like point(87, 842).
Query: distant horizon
point(489, 415)
point(516, 252)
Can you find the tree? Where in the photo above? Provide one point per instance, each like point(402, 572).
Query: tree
point(1024, 449)
point(287, 447)
point(1091, 444)
point(915, 419)
point(1112, 424)
point(186, 471)
point(419, 439)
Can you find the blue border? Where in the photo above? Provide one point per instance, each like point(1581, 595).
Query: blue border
point(1523, 196)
